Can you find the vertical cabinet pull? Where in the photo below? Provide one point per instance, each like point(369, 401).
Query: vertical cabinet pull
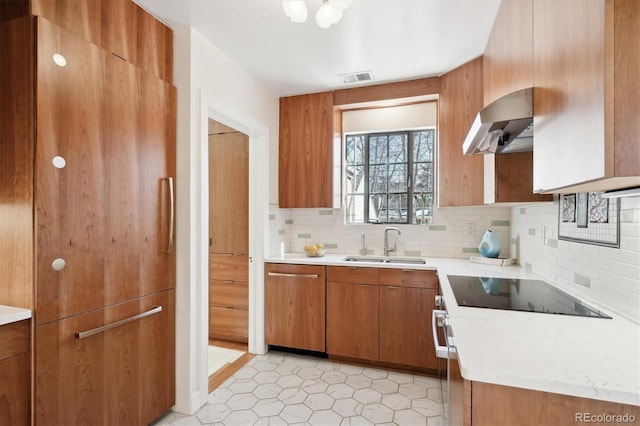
point(171, 215)
point(88, 333)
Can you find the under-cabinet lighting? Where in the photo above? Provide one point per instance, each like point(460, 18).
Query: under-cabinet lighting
point(631, 192)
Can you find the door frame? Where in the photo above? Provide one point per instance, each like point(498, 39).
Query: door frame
point(258, 133)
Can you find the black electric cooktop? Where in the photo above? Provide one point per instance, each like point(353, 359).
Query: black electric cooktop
point(514, 294)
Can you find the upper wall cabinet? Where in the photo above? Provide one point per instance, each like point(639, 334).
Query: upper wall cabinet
point(460, 176)
point(306, 151)
point(586, 67)
point(118, 26)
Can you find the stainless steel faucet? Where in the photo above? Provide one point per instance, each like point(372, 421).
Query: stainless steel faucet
point(387, 249)
point(364, 245)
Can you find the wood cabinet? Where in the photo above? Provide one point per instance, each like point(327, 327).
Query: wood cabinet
point(93, 176)
point(120, 27)
point(474, 403)
point(306, 151)
point(352, 319)
point(381, 315)
point(295, 306)
point(117, 376)
point(460, 180)
point(229, 297)
point(15, 374)
point(586, 65)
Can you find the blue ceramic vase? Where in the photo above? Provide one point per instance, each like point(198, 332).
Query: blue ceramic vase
point(490, 244)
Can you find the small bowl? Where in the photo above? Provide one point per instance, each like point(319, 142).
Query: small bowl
point(316, 253)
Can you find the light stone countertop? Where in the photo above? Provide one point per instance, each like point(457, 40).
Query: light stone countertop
point(9, 314)
point(587, 357)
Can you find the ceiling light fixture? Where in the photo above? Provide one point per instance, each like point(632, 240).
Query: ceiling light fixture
point(329, 13)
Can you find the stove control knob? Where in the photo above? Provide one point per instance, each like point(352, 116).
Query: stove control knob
point(439, 301)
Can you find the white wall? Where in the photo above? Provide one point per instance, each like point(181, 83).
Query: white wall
point(202, 73)
point(608, 277)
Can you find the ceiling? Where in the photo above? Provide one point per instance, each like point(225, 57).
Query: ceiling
point(396, 39)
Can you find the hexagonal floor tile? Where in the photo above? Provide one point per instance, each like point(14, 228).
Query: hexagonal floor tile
point(297, 413)
point(314, 386)
point(242, 401)
point(427, 407)
point(358, 381)
point(265, 365)
point(435, 421)
point(413, 390)
point(400, 378)
point(213, 413)
point(409, 417)
point(271, 421)
point(334, 377)
point(434, 394)
point(240, 418)
point(427, 382)
point(245, 373)
point(367, 396)
point(384, 386)
point(292, 396)
point(268, 407)
point(266, 377)
point(325, 417)
point(268, 390)
point(349, 369)
point(243, 386)
point(220, 395)
point(377, 413)
point(290, 381)
point(340, 390)
point(310, 373)
point(347, 407)
point(355, 421)
point(319, 401)
point(374, 373)
point(396, 401)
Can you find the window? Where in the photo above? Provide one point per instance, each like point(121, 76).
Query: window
point(389, 177)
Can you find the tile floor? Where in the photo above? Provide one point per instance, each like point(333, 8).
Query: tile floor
point(282, 389)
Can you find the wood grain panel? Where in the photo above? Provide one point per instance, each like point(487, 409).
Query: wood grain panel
point(80, 17)
point(459, 396)
point(229, 193)
point(229, 294)
point(228, 323)
point(225, 267)
point(156, 157)
point(461, 177)
point(627, 87)
point(12, 9)
point(405, 326)
point(409, 278)
point(120, 29)
point(15, 390)
point(155, 46)
point(352, 320)
point(514, 178)
point(295, 307)
point(306, 151)
point(116, 377)
point(508, 57)
point(121, 245)
point(14, 338)
point(70, 202)
point(536, 408)
point(380, 92)
point(17, 150)
point(351, 274)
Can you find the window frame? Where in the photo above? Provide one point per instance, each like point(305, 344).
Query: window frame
point(409, 177)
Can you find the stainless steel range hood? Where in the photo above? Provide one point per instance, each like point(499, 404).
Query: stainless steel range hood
point(500, 126)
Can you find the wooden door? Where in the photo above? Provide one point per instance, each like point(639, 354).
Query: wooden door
point(70, 202)
point(306, 151)
point(124, 375)
point(295, 306)
point(352, 320)
point(405, 326)
point(229, 193)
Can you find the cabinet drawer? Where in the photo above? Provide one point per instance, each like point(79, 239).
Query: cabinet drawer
point(228, 322)
point(14, 339)
point(352, 274)
point(229, 267)
point(229, 294)
point(409, 278)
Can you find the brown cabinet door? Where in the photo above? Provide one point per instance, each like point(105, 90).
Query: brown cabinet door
point(228, 323)
point(306, 151)
point(352, 320)
point(15, 390)
point(461, 177)
point(228, 267)
point(106, 213)
point(123, 375)
point(295, 306)
point(405, 326)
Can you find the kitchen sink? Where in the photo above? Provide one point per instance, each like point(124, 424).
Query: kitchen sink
point(392, 260)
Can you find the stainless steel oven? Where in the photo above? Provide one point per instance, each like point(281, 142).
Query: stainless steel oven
point(442, 332)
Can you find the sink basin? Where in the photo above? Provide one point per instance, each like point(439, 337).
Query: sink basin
point(364, 259)
point(393, 260)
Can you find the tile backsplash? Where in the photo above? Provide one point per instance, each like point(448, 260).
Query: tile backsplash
point(454, 233)
point(608, 277)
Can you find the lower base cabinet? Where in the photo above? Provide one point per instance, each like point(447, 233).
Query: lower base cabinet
point(124, 375)
point(295, 306)
point(15, 374)
point(381, 315)
point(485, 404)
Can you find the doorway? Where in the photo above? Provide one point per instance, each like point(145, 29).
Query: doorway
point(228, 252)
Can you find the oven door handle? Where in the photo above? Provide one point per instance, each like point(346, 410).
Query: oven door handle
point(442, 351)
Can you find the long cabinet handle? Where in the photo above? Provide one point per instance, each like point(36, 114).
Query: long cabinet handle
point(282, 274)
point(172, 214)
point(88, 333)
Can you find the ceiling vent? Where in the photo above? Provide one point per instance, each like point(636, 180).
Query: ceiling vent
point(356, 77)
